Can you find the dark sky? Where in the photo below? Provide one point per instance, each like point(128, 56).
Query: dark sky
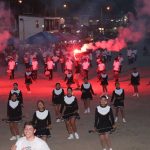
point(48, 7)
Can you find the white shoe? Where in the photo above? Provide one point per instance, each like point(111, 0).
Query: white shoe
point(104, 148)
point(85, 112)
point(134, 94)
point(18, 137)
point(70, 137)
point(13, 138)
point(137, 94)
point(116, 119)
point(124, 120)
point(76, 135)
point(58, 120)
point(110, 148)
point(88, 110)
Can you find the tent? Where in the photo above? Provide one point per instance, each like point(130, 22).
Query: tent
point(42, 38)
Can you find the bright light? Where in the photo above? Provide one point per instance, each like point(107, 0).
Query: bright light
point(65, 5)
point(78, 31)
point(115, 28)
point(43, 26)
point(97, 20)
point(20, 1)
point(108, 7)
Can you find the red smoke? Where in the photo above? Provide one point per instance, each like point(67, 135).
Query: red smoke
point(133, 33)
point(5, 26)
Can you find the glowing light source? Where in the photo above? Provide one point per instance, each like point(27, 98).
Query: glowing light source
point(20, 1)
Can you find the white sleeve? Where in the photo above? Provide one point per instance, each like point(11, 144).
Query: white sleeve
point(18, 145)
point(44, 146)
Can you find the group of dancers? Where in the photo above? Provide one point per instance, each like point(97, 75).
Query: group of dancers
point(67, 110)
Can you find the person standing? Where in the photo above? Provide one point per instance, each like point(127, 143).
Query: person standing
point(17, 91)
point(135, 81)
point(86, 96)
point(117, 99)
point(28, 79)
point(57, 100)
point(116, 69)
point(42, 121)
point(11, 67)
point(85, 68)
point(50, 67)
point(70, 114)
point(30, 141)
point(104, 122)
point(14, 113)
point(34, 68)
point(104, 82)
point(77, 74)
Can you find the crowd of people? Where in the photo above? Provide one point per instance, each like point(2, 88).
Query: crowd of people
point(66, 104)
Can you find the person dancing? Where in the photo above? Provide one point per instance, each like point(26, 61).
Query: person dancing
point(42, 121)
point(70, 114)
point(104, 122)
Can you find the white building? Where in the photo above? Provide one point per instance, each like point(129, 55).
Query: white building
point(29, 26)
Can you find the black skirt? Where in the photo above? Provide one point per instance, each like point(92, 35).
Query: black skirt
point(68, 115)
point(119, 103)
point(42, 132)
point(86, 96)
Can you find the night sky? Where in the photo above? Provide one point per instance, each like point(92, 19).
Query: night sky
point(49, 7)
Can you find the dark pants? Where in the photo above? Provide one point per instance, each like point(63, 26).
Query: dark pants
point(12, 74)
point(85, 72)
point(34, 74)
point(51, 74)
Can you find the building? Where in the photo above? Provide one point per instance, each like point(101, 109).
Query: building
point(29, 25)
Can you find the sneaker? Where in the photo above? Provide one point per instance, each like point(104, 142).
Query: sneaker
point(134, 94)
point(104, 148)
point(13, 138)
point(110, 148)
point(124, 120)
point(76, 135)
point(18, 137)
point(70, 137)
point(116, 119)
point(86, 111)
point(58, 120)
point(137, 94)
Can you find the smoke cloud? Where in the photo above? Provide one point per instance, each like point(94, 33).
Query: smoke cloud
point(135, 31)
point(5, 26)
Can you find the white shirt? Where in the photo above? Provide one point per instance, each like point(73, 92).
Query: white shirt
point(101, 66)
point(11, 65)
point(35, 65)
point(116, 65)
point(69, 65)
point(50, 64)
point(85, 65)
point(36, 144)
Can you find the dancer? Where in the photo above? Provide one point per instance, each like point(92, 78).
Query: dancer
point(135, 81)
point(30, 141)
point(42, 121)
point(34, 69)
point(14, 113)
point(69, 78)
point(11, 68)
point(104, 122)
point(116, 69)
point(118, 101)
point(71, 114)
point(85, 68)
point(57, 100)
point(104, 82)
point(50, 67)
point(28, 79)
point(86, 96)
point(17, 91)
point(77, 74)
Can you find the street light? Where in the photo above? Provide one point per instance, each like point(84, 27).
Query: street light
point(65, 5)
point(20, 1)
